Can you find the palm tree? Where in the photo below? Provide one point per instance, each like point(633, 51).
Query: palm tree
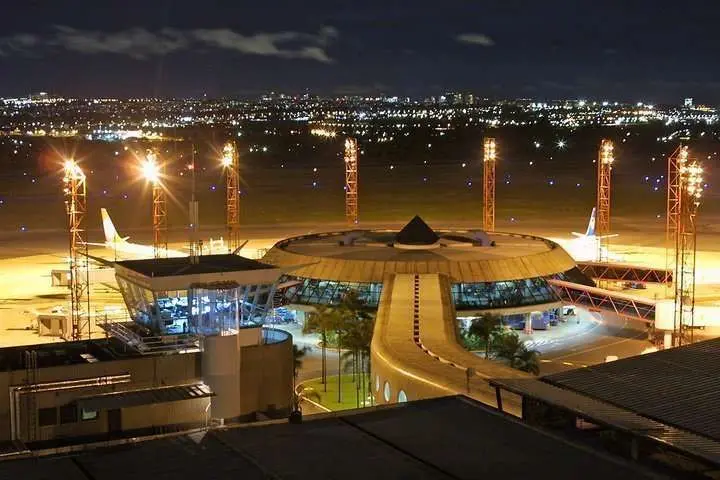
point(355, 332)
point(485, 327)
point(323, 319)
point(528, 360)
point(509, 347)
point(298, 354)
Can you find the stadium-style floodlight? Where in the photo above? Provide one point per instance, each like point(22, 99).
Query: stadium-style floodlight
point(693, 181)
point(691, 189)
point(153, 172)
point(151, 168)
point(604, 191)
point(230, 162)
point(351, 182)
point(75, 190)
point(676, 162)
point(489, 158)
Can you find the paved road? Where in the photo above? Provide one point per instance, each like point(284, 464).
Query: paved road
point(612, 337)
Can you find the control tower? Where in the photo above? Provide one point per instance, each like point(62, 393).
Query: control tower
point(216, 306)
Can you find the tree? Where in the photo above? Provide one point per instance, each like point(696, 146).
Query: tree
point(357, 339)
point(528, 360)
point(298, 354)
point(509, 347)
point(323, 319)
point(355, 332)
point(485, 327)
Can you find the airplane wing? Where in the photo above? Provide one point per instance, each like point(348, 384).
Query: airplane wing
point(237, 250)
point(102, 261)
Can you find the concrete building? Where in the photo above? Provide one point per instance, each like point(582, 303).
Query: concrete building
point(192, 353)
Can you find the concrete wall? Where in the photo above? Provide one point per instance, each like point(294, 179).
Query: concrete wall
point(266, 377)
point(145, 372)
point(169, 413)
point(265, 383)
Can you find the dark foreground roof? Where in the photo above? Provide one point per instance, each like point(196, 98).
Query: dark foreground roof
point(417, 232)
point(448, 438)
point(678, 386)
point(166, 267)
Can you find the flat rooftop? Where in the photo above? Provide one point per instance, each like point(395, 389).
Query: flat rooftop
point(677, 387)
point(377, 246)
point(175, 266)
point(66, 353)
point(446, 438)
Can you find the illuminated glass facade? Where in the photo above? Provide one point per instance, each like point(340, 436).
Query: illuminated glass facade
point(308, 291)
point(515, 293)
point(466, 296)
point(215, 309)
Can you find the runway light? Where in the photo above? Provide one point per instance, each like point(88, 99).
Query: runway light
point(561, 144)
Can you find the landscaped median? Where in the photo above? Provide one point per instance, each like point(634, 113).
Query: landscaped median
point(351, 393)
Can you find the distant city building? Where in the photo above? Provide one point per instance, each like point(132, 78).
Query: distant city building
point(688, 102)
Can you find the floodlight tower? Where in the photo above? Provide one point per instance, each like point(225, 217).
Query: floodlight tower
point(153, 172)
point(351, 181)
point(489, 157)
point(230, 163)
point(602, 208)
point(676, 162)
point(75, 190)
point(690, 182)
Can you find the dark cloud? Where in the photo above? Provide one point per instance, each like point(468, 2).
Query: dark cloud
point(140, 43)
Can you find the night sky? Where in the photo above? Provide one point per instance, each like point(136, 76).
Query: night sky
point(630, 50)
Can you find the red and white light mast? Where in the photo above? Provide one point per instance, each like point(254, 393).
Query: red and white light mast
point(489, 158)
point(232, 199)
point(75, 190)
point(351, 181)
point(606, 159)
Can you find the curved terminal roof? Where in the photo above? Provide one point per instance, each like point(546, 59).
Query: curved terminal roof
point(465, 256)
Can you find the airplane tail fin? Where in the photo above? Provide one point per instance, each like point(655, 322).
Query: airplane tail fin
point(111, 235)
point(591, 225)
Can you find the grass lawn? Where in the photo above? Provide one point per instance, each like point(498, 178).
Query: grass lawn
point(349, 395)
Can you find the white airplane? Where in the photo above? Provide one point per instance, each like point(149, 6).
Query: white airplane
point(120, 245)
point(586, 246)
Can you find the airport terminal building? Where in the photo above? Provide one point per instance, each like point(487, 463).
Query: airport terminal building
point(500, 272)
point(192, 353)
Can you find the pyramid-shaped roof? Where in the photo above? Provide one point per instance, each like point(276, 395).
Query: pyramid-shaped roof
point(417, 232)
